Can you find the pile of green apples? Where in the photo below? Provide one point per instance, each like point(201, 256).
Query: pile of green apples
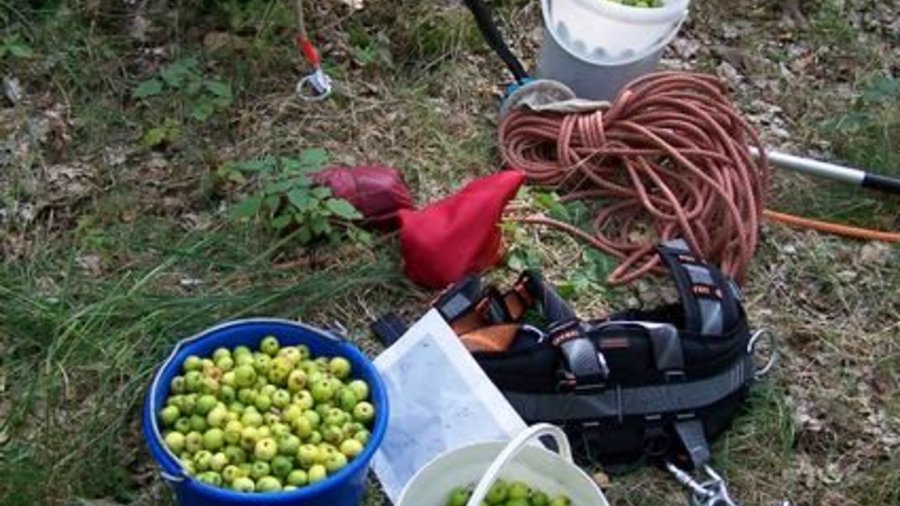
point(267, 420)
point(640, 3)
point(502, 493)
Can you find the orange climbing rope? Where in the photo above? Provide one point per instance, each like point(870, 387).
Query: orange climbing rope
point(669, 157)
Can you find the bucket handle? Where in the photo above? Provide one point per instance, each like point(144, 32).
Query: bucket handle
point(512, 450)
point(175, 351)
point(661, 43)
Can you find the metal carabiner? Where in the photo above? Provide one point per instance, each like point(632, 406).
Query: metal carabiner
point(318, 82)
point(761, 372)
point(713, 492)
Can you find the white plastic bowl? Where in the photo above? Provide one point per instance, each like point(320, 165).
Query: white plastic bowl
point(483, 463)
point(609, 33)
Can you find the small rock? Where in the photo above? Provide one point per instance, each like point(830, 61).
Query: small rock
point(877, 253)
point(727, 71)
point(90, 263)
point(12, 90)
point(602, 480)
point(214, 41)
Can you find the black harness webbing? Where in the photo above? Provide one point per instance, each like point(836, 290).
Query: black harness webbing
point(620, 402)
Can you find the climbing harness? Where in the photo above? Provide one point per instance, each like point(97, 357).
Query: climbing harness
point(316, 85)
point(638, 386)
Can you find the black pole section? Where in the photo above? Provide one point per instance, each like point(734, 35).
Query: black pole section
point(881, 183)
point(494, 38)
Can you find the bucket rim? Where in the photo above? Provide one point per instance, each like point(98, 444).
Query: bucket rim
point(670, 11)
point(173, 472)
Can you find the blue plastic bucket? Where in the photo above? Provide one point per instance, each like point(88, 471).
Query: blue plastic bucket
point(344, 488)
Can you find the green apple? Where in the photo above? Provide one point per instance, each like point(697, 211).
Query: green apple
point(360, 388)
point(268, 484)
point(263, 402)
point(243, 484)
point(169, 415)
point(281, 466)
point(233, 432)
point(539, 498)
point(497, 493)
point(292, 413)
point(235, 454)
point(518, 490)
point(202, 459)
point(336, 461)
point(351, 448)
point(291, 353)
point(193, 363)
point(288, 444)
point(244, 376)
point(297, 478)
point(316, 473)
point(216, 416)
point(307, 455)
point(364, 412)
point(259, 469)
point(193, 442)
point(218, 462)
point(262, 363)
point(265, 449)
point(193, 381)
point(249, 436)
point(459, 497)
point(269, 345)
point(205, 403)
point(178, 385)
point(214, 439)
point(340, 367)
point(347, 399)
point(175, 441)
point(303, 399)
point(251, 419)
point(322, 391)
point(230, 473)
point(296, 380)
point(362, 436)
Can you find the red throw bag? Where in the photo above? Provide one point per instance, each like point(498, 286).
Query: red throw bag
point(459, 235)
point(376, 192)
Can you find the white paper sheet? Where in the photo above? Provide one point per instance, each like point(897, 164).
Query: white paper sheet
point(440, 400)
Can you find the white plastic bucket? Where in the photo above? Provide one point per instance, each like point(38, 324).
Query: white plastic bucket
point(596, 46)
point(484, 463)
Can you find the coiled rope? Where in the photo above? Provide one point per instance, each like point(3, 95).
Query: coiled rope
point(667, 158)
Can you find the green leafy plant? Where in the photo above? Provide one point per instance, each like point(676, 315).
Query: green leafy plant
point(589, 276)
point(287, 199)
point(184, 80)
point(166, 133)
point(14, 47)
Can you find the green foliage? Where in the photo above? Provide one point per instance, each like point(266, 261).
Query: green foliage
point(184, 82)
point(166, 133)
point(287, 199)
point(869, 132)
point(12, 46)
point(590, 276)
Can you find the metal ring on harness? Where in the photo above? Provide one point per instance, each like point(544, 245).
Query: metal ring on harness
point(761, 372)
point(318, 82)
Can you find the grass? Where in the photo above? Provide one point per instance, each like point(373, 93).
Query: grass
point(106, 275)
